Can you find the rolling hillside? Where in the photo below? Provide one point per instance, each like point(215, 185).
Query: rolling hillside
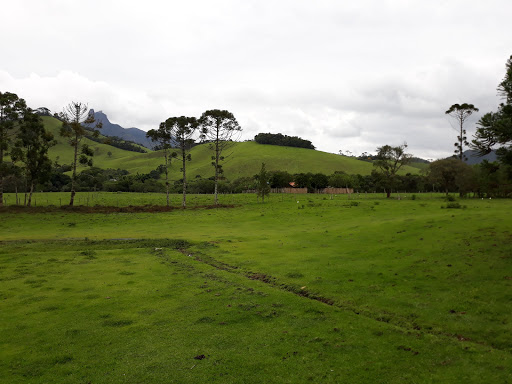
point(242, 159)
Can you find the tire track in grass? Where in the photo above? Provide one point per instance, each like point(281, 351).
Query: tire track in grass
point(399, 321)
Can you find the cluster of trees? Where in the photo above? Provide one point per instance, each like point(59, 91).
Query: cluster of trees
point(117, 142)
point(175, 137)
point(448, 175)
point(25, 142)
point(282, 140)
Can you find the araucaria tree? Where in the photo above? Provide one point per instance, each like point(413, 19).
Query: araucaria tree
point(76, 120)
point(163, 137)
point(262, 186)
point(388, 162)
point(460, 113)
point(182, 130)
point(12, 111)
point(495, 128)
point(219, 129)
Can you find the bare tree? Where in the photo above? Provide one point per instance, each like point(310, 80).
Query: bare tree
point(77, 120)
point(219, 129)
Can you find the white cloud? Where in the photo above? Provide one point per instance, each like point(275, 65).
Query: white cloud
point(349, 76)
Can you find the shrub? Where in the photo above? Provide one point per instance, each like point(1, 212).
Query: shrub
point(454, 205)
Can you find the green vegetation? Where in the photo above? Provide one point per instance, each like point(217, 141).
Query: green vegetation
point(241, 160)
point(282, 140)
point(299, 289)
point(495, 128)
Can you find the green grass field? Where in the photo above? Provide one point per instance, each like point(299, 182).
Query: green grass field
point(300, 289)
point(242, 159)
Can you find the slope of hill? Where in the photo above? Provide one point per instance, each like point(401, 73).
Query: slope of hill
point(63, 152)
point(131, 134)
point(473, 158)
point(242, 159)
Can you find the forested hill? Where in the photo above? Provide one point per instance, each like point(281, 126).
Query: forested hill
point(472, 157)
point(131, 134)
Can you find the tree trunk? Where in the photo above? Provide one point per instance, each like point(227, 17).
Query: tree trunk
point(460, 140)
point(388, 193)
point(30, 193)
point(73, 177)
point(184, 157)
point(217, 163)
point(167, 177)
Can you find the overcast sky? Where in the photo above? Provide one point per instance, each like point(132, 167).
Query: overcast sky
point(345, 75)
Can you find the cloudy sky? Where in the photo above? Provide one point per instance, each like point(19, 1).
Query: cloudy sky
point(345, 75)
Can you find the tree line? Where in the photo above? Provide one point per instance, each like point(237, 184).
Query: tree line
point(283, 140)
point(24, 161)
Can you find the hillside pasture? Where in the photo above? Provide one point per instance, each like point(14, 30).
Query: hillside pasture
point(243, 159)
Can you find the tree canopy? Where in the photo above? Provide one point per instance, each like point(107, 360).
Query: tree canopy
point(12, 112)
point(218, 129)
point(460, 113)
point(388, 162)
point(495, 128)
point(282, 140)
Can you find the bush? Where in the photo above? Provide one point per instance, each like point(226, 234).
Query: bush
point(454, 205)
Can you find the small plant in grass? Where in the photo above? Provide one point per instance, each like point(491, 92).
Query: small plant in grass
point(454, 205)
point(450, 198)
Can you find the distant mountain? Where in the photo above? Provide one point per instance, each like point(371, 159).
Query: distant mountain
point(473, 158)
point(131, 134)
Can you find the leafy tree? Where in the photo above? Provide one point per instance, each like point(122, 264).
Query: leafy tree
point(219, 128)
point(76, 118)
point(262, 186)
point(43, 111)
point(31, 148)
point(12, 111)
point(341, 180)
point(303, 180)
point(494, 179)
point(280, 179)
point(243, 184)
point(182, 129)
point(495, 128)
point(451, 175)
point(319, 181)
point(388, 162)
point(163, 137)
point(460, 113)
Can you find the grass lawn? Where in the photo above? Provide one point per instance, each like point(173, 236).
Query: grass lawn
point(299, 289)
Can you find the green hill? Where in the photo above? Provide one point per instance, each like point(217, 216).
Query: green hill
point(241, 160)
